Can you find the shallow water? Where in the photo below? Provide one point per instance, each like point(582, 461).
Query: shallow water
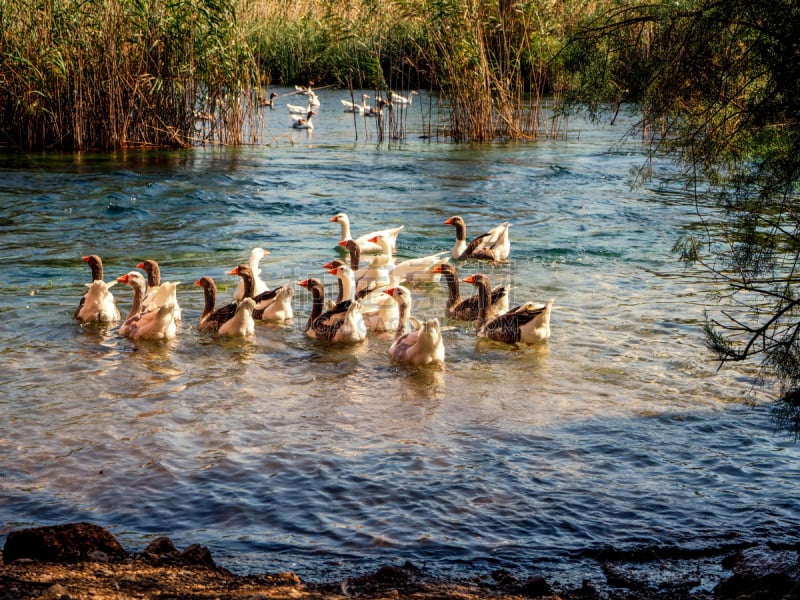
point(285, 454)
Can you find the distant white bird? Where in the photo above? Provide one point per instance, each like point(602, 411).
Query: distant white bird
point(398, 99)
point(352, 107)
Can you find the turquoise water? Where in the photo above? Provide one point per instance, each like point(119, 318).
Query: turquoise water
point(284, 454)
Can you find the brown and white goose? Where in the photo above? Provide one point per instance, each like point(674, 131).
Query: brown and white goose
point(341, 324)
point(97, 305)
point(375, 274)
point(468, 309)
point(421, 346)
point(379, 312)
point(493, 245)
point(153, 271)
point(155, 321)
point(232, 320)
point(528, 323)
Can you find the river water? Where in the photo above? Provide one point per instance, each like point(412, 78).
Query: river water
point(281, 453)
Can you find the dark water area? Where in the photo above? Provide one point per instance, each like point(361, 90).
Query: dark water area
point(281, 453)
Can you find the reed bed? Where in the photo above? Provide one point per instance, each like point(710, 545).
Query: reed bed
point(114, 73)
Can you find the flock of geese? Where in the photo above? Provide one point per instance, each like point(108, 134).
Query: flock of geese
point(371, 297)
point(302, 115)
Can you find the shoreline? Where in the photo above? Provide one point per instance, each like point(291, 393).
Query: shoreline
point(81, 560)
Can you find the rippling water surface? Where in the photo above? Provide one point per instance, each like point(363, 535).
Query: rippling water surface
point(284, 454)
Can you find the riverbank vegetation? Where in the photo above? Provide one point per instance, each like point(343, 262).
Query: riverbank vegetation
point(114, 73)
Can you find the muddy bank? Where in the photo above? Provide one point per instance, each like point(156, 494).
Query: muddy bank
point(81, 561)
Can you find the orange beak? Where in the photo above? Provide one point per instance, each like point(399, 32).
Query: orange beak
point(140, 265)
point(123, 278)
point(437, 269)
point(233, 271)
point(333, 271)
point(334, 219)
point(390, 291)
point(470, 279)
point(85, 258)
point(343, 243)
point(304, 283)
point(197, 282)
point(449, 221)
point(373, 239)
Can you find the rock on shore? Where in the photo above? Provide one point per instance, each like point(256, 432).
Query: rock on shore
point(81, 560)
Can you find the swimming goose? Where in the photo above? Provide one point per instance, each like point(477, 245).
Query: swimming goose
point(352, 107)
point(403, 100)
point(379, 312)
point(412, 270)
point(304, 123)
point(528, 323)
point(374, 274)
point(97, 305)
point(468, 309)
point(363, 242)
point(493, 245)
point(232, 320)
point(259, 286)
point(422, 346)
point(154, 321)
point(153, 271)
point(342, 324)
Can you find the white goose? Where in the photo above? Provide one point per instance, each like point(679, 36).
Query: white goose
point(403, 100)
point(527, 323)
point(352, 107)
point(97, 305)
point(342, 324)
point(422, 346)
point(363, 242)
point(259, 286)
point(156, 321)
point(493, 245)
point(413, 270)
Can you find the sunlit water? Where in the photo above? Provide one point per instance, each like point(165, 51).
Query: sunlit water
point(285, 454)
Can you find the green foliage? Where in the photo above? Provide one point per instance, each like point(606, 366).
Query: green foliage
point(717, 85)
point(110, 73)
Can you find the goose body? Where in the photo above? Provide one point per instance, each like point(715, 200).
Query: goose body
point(154, 294)
point(403, 100)
point(342, 324)
point(241, 324)
point(421, 346)
point(304, 122)
point(527, 323)
point(468, 309)
point(493, 245)
point(156, 320)
point(412, 270)
point(274, 305)
point(352, 107)
point(97, 305)
point(214, 319)
point(363, 242)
